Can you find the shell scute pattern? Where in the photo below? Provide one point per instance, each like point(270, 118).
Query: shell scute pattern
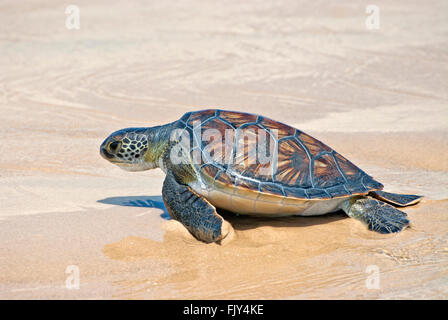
point(209, 170)
point(314, 146)
point(247, 184)
point(218, 147)
point(237, 119)
point(301, 166)
point(225, 177)
point(295, 192)
point(281, 130)
point(272, 189)
point(337, 191)
point(314, 193)
point(246, 160)
point(326, 173)
point(293, 164)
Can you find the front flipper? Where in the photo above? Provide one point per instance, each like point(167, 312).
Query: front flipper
point(377, 215)
point(399, 200)
point(193, 211)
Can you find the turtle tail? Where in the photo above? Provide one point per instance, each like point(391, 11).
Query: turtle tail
point(398, 200)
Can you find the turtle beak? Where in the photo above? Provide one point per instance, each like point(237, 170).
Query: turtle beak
point(104, 152)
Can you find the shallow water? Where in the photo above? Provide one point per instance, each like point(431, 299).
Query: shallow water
point(377, 97)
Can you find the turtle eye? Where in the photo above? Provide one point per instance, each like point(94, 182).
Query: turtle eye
point(114, 146)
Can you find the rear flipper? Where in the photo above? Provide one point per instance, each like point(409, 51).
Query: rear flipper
point(399, 200)
point(377, 215)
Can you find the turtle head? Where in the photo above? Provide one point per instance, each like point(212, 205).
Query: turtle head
point(128, 149)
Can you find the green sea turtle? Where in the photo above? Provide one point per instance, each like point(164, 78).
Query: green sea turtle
point(250, 164)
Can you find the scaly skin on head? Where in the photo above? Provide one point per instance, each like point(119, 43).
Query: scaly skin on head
point(139, 149)
point(136, 149)
point(127, 149)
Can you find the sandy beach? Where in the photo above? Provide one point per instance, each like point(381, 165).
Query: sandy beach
point(379, 97)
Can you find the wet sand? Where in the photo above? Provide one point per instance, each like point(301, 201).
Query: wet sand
point(379, 97)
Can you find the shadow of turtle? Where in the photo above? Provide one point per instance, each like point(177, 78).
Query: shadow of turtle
point(244, 222)
point(239, 222)
point(139, 201)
